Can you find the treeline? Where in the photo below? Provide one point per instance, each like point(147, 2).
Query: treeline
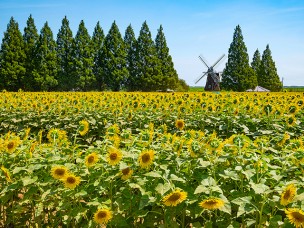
point(37, 62)
point(240, 75)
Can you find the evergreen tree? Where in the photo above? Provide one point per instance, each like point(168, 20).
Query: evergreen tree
point(182, 86)
point(148, 67)
point(64, 56)
point(45, 71)
point(256, 62)
point(113, 60)
point(83, 59)
point(130, 45)
point(170, 77)
point(12, 58)
point(98, 39)
point(30, 38)
point(268, 76)
point(238, 75)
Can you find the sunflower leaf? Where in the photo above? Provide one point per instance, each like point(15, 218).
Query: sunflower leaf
point(242, 200)
point(162, 188)
point(154, 174)
point(18, 169)
point(200, 189)
point(299, 197)
point(176, 178)
point(259, 188)
point(28, 180)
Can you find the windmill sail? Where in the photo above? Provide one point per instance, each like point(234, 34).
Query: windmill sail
point(213, 78)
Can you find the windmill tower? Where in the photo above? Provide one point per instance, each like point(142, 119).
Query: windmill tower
point(213, 78)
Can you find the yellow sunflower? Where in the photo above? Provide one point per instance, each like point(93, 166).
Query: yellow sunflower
point(126, 173)
point(91, 159)
point(212, 203)
point(291, 120)
point(2, 146)
point(6, 174)
point(292, 109)
point(174, 198)
point(145, 159)
point(295, 216)
point(288, 194)
point(59, 172)
point(113, 130)
point(179, 124)
point(283, 140)
point(56, 135)
point(103, 216)
point(115, 140)
point(71, 181)
point(26, 133)
point(32, 148)
point(12, 144)
point(114, 156)
point(53, 134)
point(83, 127)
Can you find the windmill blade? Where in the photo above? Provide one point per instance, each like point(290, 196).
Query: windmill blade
point(196, 81)
point(221, 58)
point(204, 61)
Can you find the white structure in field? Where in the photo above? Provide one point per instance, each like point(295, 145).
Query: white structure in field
point(258, 89)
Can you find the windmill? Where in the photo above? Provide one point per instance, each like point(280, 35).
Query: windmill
point(213, 78)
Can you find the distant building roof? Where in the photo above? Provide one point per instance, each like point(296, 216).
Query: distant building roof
point(258, 89)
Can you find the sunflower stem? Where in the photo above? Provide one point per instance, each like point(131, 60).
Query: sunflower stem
point(183, 218)
point(74, 143)
point(164, 214)
point(111, 195)
point(261, 214)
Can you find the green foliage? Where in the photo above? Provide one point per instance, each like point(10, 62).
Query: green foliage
point(45, 71)
point(64, 56)
point(238, 75)
point(293, 89)
point(83, 59)
point(256, 63)
point(148, 65)
point(30, 63)
point(181, 86)
point(30, 38)
point(114, 68)
point(98, 40)
point(130, 45)
point(169, 75)
point(268, 76)
point(196, 89)
point(12, 58)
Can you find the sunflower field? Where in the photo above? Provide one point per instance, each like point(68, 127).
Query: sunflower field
point(198, 159)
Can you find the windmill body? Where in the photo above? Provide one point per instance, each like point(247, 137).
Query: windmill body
point(213, 78)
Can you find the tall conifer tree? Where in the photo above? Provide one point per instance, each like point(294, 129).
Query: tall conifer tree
point(30, 38)
point(169, 74)
point(45, 72)
point(256, 62)
point(130, 45)
point(98, 40)
point(12, 58)
point(268, 76)
point(148, 75)
point(64, 56)
point(113, 61)
point(83, 59)
point(238, 75)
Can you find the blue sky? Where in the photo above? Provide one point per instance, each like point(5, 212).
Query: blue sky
point(191, 27)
